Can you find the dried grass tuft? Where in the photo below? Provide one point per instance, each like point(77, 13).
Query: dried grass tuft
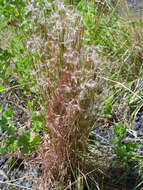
point(66, 78)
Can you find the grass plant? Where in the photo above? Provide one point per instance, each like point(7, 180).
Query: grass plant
point(83, 60)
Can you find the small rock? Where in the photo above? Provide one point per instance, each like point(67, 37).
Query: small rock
point(3, 175)
point(140, 133)
point(129, 135)
point(5, 167)
point(136, 126)
point(27, 183)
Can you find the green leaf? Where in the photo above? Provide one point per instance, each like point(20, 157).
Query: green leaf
point(107, 107)
point(1, 108)
point(24, 142)
point(35, 141)
point(30, 105)
point(37, 122)
point(120, 130)
point(3, 149)
point(11, 130)
point(2, 87)
point(3, 123)
point(8, 113)
point(13, 147)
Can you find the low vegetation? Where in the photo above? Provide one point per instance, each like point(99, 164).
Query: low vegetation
point(74, 68)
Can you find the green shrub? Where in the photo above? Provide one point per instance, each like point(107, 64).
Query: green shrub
point(126, 151)
point(12, 140)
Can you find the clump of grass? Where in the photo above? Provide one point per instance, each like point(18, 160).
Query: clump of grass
point(118, 32)
point(72, 85)
point(71, 82)
point(66, 78)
